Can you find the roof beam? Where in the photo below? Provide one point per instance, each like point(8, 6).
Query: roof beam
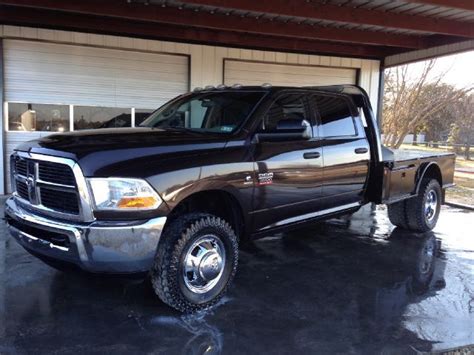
point(116, 26)
point(139, 12)
point(347, 14)
point(452, 4)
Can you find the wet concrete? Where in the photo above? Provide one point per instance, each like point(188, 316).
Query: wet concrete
point(350, 285)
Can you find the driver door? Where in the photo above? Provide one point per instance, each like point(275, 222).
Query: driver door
point(288, 172)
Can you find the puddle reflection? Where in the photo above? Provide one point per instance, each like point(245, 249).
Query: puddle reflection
point(345, 285)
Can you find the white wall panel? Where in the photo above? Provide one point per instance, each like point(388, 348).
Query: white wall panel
point(256, 73)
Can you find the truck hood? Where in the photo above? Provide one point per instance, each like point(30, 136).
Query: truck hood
point(128, 151)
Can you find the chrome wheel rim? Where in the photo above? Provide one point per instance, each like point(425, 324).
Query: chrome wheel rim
point(203, 264)
point(431, 205)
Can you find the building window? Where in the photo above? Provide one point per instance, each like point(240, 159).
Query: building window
point(89, 117)
point(141, 115)
point(336, 117)
point(38, 117)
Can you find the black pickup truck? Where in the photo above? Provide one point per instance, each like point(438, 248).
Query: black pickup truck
point(173, 197)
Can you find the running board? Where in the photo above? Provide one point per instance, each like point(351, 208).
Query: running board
point(312, 215)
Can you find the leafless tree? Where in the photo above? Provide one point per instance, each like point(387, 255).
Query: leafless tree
point(409, 102)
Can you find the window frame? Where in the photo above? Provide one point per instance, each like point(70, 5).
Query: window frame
point(6, 116)
point(317, 115)
point(130, 109)
point(6, 107)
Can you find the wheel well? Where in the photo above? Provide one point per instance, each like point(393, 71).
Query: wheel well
point(218, 203)
point(432, 171)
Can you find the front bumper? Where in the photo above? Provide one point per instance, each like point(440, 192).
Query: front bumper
point(102, 247)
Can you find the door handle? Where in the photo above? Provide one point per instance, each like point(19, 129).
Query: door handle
point(361, 150)
point(311, 155)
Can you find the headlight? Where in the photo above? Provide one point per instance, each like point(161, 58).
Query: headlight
point(123, 194)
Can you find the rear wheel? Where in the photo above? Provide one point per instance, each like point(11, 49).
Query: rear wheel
point(420, 213)
point(397, 214)
point(196, 262)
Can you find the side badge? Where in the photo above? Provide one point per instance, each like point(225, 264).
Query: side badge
point(248, 180)
point(265, 179)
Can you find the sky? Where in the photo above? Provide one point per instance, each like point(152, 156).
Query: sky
point(459, 69)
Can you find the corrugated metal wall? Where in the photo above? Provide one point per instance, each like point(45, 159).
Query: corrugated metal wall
point(255, 73)
point(64, 74)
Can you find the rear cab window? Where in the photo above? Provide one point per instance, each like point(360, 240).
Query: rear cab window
point(335, 117)
point(288, 106)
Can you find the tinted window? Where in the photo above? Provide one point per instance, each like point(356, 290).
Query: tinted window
point(88, 117)
point(38, 117)
point(141, 115)
point(287, 107)
point(219, 112)
point(336, 117)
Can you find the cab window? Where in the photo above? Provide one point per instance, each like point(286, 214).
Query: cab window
point(335, 116)
point(286, 107)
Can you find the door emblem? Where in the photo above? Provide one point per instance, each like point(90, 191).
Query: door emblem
point(265, 178)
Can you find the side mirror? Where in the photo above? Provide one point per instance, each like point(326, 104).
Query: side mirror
point(287, 130)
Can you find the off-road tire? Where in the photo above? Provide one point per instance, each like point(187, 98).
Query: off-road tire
point(166, 274)
point(415, 207)
point(409, 214)
point(397, 214)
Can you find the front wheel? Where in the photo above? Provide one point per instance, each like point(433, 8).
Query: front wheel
point(196, 262)
point(420, 213)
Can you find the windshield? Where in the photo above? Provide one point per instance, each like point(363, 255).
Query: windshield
point(221, 112)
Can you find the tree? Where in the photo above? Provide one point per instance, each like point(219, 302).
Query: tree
point(408, 103)
point(437, 125)
point(462, 130)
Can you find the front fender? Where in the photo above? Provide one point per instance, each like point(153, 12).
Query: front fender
point(234, 178)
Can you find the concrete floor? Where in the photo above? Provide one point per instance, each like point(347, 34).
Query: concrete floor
point(351, 285)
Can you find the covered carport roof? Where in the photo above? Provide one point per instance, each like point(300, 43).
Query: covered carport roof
point(394, 32)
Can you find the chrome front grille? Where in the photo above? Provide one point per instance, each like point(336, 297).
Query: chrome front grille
point(56, 173)
point(53, 185)
point(59, 200)
point(22, 189)
point(21, 167)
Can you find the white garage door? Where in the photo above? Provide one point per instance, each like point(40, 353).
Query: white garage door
point(256, 73)
point(50, 87)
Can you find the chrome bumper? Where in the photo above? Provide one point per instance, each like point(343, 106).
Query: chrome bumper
point(109, 247)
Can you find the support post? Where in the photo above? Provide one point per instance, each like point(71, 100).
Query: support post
point(2, 125)
point(380, 97)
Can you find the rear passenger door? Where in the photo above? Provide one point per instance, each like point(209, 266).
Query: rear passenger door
point(289, 173)
point(346, 151)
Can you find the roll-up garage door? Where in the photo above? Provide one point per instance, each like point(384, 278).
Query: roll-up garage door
point(256, 73)
point(79, 86)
